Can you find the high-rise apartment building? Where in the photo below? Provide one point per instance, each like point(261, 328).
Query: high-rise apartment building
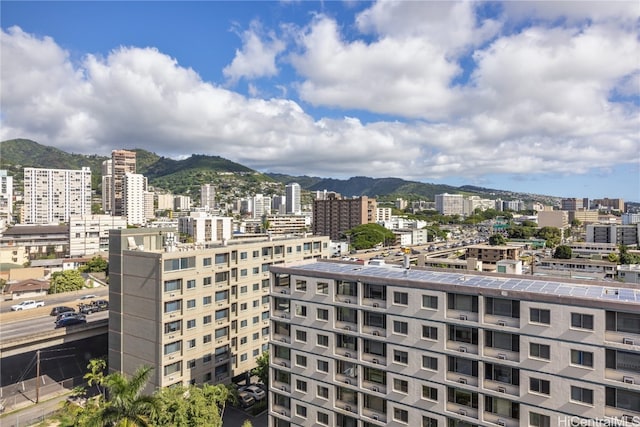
point(89, 234)
point(450, 204)
point(292, 194)
point(203, 227)
point(333, 216)
point(107, 186)
point(610, 233)
point(54, 195)
point(196, 313)
point(134, 187)
point(165, 202)
point(572, 204)
point(359, 345)
point(122, 163)
point(208, 196)
point(6, 195)
point(615, 204)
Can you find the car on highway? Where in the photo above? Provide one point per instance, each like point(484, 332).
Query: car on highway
point(76, 319)
point(60, 309)
point(65, 314)
point(94, 306)
point(26, 305)
point(90, 296)
point(256, 392)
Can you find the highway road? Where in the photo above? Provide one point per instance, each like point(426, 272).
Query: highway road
point(71, 299)
point(34, 325)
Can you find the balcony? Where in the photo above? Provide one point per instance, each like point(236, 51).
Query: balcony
point(500, 420)
point(501, 354)
point(463, 411)
point(500, 322)
point(374, 303)
point(627, 378)
point(377, 417)
point(347, 326)
point(374, 331)
point(282, 411)
point(348, 408)
point(503, 388)
point(374, 359)
point(281, 338)
point(463, 316)
point(462, 347)
point(374, 387)
point(462, 379)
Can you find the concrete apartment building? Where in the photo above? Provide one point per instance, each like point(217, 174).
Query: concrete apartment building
point(490, 255)
point(89, 234)
point(208, 196)
point(606, 203)
point(204, 227)
point(333, 215)
point(6, 197)
point(611, 233)
point(196, 313)
point(52, 196)
point(134, 186)
point(364, 346)
point(107, 186)
point(450, 204)
point(558, 219)
point(122, 163)
point(292, 202)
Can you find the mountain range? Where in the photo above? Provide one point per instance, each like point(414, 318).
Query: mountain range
point(185, 176)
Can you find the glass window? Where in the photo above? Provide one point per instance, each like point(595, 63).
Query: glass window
point(206, 300)
point(301, 285)
point(173, 285)
point(323, 392)
point(206, 262)
point(539, 420)
point(430, 363)
point(401, 298)
point(429, 422)
point(171, 327)
point(539, 315)
point(172, 368)
point(583, 395)
point(301, 310)
point(301, 385)
point(191, 303)
point(583, 358)
point(323, 340)
point(172, 306)
point(429, 332)
point(463, 302)
point(400, 327)
point(191, 323)
point(400, 385)
point(538, 385)
point(400, 415)
point(322, 417)
point(172, 347)
point(430, 301)
point(301, 360)
point(323, 314)
point(301, 336)
point(539, 351)
point(430, 393)
point(323, 366)
point(322, 288)
point(400, 356)
point(191, 284)
point(301, 411)
point(582, 321)
point(206, 319)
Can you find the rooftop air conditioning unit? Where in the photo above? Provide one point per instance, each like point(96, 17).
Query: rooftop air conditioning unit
point(463, 317)
point(628, 341)
point(502, 389)
point(463, 349)
point(502, 323)
point(283, 413)
point(501, 423)
point(628, 380)
point(284, 364)
point(502, 356)
point(283, 388)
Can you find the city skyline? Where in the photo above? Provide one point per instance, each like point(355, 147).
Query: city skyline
point(538, 97)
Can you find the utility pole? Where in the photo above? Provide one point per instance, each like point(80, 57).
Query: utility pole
point(37, 376)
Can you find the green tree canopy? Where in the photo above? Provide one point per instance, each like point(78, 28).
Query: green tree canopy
point(192, 406)
point(626, 257)
point(97, 264)
point(66, 281)
point(562, 252)
point(262, 369)
point(497, 239)
point(366, 236)
point(552, 235)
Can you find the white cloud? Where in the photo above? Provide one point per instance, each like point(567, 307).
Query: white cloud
point(257, 58)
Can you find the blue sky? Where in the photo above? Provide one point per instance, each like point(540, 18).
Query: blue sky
point(539, 97)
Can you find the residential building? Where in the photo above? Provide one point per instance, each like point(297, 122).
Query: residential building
point(616, 234)
point(149, 205)
point(208, 196)
point(292, 194)
point(576, 268)
point(558, 219)
point(450, 204)
point(195, 313)
point(333, 216)
point(53, 195)
point(585, 249)
point(89, 234)
point(204, 227)
point(288, 224)
point(38, 241)
point(165, 202)
point(572, 204)
point(6, 196)
point(122, 163)
point(401, 204)
point(490, 255)
point(134, 186)
point(630, 218)
point(107, 186)
point(362, 345)
point(383, 214)
point(584, 216)
point(629, 273)
point(606, 203)
point(181, 203)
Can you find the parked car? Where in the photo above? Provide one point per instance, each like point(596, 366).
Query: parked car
point(71, 320)
point(245, 399)
point(253, 390)
point(60, 309)
point(26, 305)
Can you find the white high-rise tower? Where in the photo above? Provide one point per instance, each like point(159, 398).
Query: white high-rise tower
point(292, 192)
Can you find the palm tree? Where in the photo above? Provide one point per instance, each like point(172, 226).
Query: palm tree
point(126, 406)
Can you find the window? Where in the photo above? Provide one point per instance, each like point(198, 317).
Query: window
point(243, 341)
point(322, 314)
point(191, 364)
point(430, 393)
point(172, 306)
point(323, 366)
point(243, 255)
point(462, 366)
point(539, 315)
point(462, 302)
point(400, 327)
point(206, 358)
point(323, 392)
point(623, 322)
point(584, 395)
point(191, 284)
point(206, 300)
point(206, 319)
point(172, 326)
point(256, 254)
point(191, 304)
point(400, 356)
point(172, 285)
point(179, 263)
point(401, 298)
point(256, 287)
point(430, 363)
point(206, 339)
point(538, 385)
point(243, 272)
point(206, 262)
point(222, 296)
point(323, 418)
point(463, 334)
point(502, 307)
point(429, 422)
point(502, 340)
point(206, 281)
point(301, 360)
point(622, 399)
point(582, 321)
point(323, 340)
point(430, 301)
point(501, 407)
point(539, 420)
point(539, 351)
point(301, 385)
point(301, 336)
point(400, 385)
point(172, 368)
point(462, 397)
point(501, 373)
point(583, 358)
point(400, 415)
point(301, 310)
point(429, 332)
point(623, 360)
point(244, 289)
point(322, 288)
point(255, 270)
point(301, 285)
point(222, 258)
point(244, 323)
point(172, 347)
point(301, 411)
point(191, 343)
point(243, 306)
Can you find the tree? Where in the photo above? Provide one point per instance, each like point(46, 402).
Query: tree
point(366, 236)
point(66, 281)
point(262, 369)
point(626, 257)
point(562, 252)
point(497, 239)
point(551, 234)
point(191, 406)
point(95, 376)
point(97, 264)
point(612, 257)
point(576, 222)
